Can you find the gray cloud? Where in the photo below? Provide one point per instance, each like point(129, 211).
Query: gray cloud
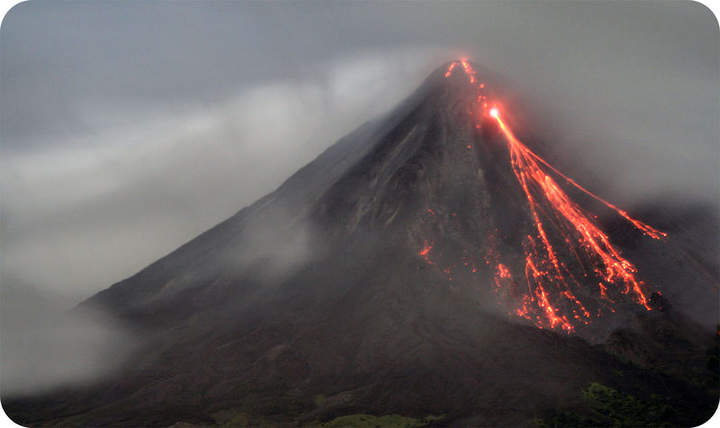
point(45, 346)
point(96, 210)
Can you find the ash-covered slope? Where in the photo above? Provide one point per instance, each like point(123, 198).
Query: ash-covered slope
point(372, 279)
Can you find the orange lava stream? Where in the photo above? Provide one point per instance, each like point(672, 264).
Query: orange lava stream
point(468, 70)
point(645, 228)
point(450, 69)
point(596, 244)
point(425, 252)
point(550, 283)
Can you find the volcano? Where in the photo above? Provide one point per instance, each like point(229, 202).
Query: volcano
point(428, 263)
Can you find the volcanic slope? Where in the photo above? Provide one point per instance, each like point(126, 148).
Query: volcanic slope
point(390, 275)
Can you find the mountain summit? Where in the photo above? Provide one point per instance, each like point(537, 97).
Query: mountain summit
point(443, 179)
point(429, 262)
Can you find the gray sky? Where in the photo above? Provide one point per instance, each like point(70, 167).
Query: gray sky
point(129, 127)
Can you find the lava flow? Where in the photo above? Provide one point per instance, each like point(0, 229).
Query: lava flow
point(565, 239)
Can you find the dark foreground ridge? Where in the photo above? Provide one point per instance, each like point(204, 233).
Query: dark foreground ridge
point(368, 283)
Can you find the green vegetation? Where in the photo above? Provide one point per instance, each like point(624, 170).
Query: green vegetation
point(605, 406)
point(319, 400)
point(231, 418)
point(370, 421)
point(236, 418)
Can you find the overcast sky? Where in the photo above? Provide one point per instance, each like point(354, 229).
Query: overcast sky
point(130, 127)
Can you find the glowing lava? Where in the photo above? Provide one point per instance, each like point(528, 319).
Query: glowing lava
point(610, 265)
point(565, 239)
point(467, 68)
point(425, 252)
